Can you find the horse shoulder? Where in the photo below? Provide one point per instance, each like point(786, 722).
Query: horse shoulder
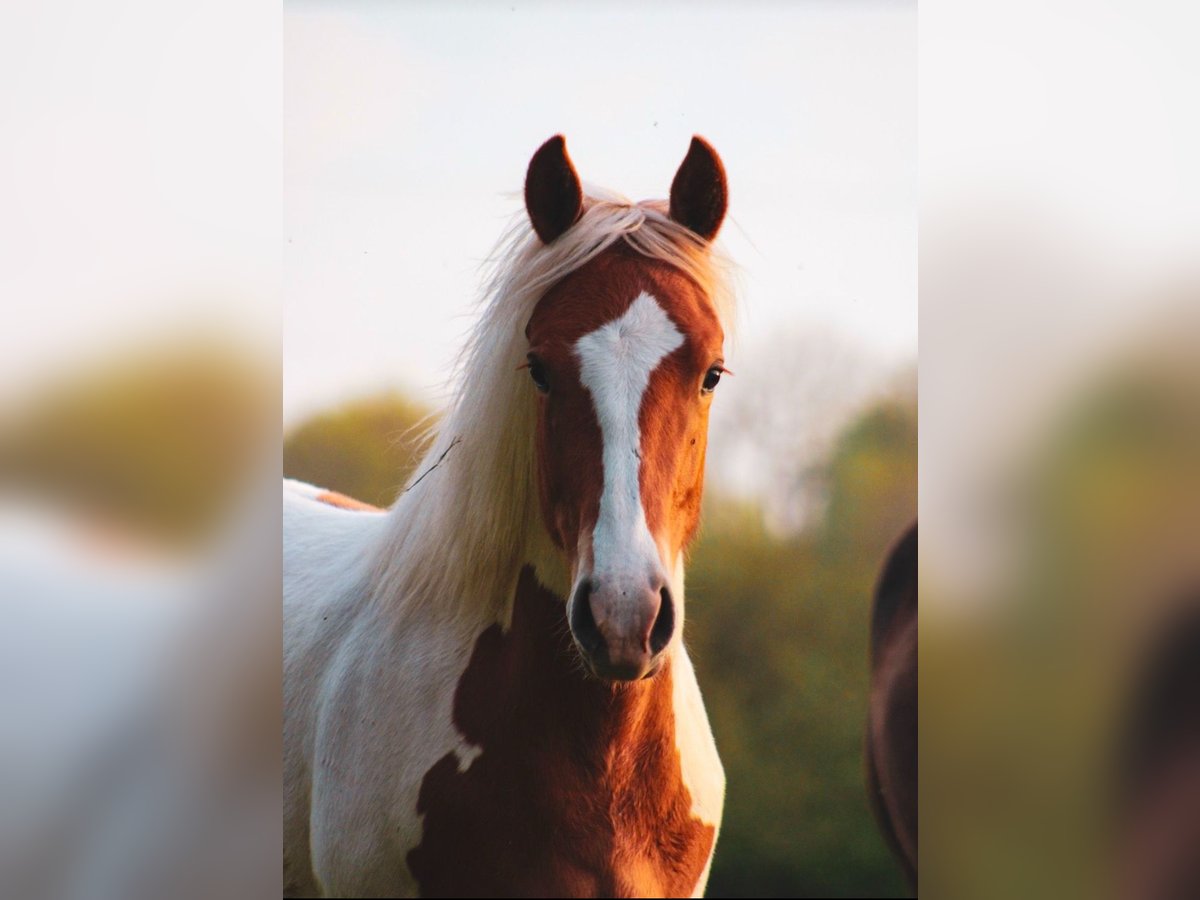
point(385, 719)
point(369, 695)
point(325, 558)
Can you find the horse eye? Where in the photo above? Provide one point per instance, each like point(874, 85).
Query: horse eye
point(710, 379)
point(537, 372)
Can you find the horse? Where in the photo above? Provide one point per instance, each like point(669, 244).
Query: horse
point(486, 690)
point(891, 733)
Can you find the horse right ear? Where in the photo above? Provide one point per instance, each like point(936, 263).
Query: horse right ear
point(699, 194)
point(553, 194)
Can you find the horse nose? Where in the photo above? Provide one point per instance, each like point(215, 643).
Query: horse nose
point(622, 628)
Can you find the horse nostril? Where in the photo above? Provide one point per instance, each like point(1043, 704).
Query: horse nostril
point(583, 623)
point(664, 625)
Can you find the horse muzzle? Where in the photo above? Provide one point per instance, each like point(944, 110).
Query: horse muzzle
point(622, 626)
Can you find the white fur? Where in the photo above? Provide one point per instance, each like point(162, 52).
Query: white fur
point(381, 612)
point(615, 364)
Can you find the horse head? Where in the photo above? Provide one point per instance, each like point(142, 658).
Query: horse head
point(625, 352)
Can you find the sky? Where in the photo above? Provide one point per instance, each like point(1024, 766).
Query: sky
point(1060, 214)
point(139, 181)
point(407, 129)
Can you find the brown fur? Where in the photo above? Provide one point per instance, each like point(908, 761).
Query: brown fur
point(341, 501)
point(578, 790)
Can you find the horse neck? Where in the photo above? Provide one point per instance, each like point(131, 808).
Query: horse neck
point(459, 533)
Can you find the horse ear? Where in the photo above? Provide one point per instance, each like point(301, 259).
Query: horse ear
point(553, 195)
point(699, 195)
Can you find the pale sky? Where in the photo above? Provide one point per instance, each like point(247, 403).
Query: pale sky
point(139, 179)
point(407, 130)
point(1060, 207)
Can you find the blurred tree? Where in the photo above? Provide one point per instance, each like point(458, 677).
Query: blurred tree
point(778, 420)
point(158, 438)
point(779, 633)
point(365, 449)
point(1025, 681)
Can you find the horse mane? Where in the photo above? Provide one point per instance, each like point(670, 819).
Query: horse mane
point(468, 518)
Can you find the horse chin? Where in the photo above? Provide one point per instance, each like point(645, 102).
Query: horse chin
point(617, 676)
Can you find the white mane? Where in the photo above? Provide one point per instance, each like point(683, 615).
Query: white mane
point(469, 517)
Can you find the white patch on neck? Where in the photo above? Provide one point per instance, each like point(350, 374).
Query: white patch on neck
point(616, 362)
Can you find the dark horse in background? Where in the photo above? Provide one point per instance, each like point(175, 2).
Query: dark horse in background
point(1158, 759)
point(1158, 776)
point(891, 740)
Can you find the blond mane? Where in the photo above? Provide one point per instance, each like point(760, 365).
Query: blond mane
point(468, 518)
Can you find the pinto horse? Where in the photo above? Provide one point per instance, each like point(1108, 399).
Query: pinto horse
point(486, 690)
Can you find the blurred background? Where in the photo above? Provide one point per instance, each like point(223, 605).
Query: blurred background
point(140, 386)
point(140, 199)
point(407, 132)
point(1060, 388)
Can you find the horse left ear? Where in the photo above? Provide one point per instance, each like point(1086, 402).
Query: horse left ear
point(699, 195)
point(553, 194)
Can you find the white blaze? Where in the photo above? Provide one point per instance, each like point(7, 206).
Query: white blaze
point(616, 361)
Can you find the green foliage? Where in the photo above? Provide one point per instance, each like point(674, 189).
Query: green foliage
point(159, 439)
point(1026, 697)
point(365, 449)
point(778, 629)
